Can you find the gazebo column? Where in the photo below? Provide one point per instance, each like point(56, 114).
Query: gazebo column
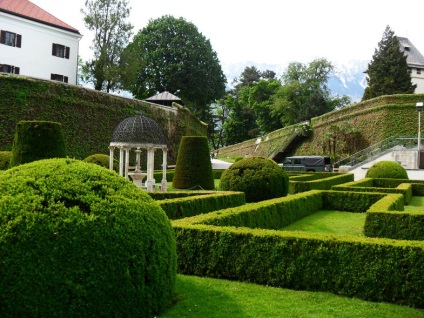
point(127, 161)
point(150, 183)
point(137, 160)
point(121, 161)
point(111, 154)
point(164, 183)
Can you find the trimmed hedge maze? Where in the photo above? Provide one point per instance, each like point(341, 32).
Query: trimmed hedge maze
point(243, 243)
point(301, 182)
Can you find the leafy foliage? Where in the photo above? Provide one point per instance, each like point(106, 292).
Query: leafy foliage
point(35, 140)
point(5, 157)
point(305, 93)
point(387, 169)
point(107, 18)
point(388, 71)
point(193, 168)
point(175, 57)
point(101, 160)
point(78, 240)
point(259, 178)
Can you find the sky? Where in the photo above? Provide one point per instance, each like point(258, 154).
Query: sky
point(273, 31)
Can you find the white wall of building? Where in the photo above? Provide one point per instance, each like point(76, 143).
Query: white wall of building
point(35, 58)
point(418, 79)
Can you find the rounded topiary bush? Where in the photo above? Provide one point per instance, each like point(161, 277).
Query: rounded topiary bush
point(387, 169)
point(101, 160)
point(36, 140)
point(5, 157)
point(77, 240)
point(193, 168)
point(259, 178)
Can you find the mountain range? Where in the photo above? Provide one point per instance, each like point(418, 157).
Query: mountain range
point(348, 79)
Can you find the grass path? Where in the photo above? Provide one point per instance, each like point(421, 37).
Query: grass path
point(209, 298)
point(416, 205)
point(331, 222)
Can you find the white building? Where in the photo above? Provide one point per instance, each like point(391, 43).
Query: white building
point(35, 43)
point(415, 62)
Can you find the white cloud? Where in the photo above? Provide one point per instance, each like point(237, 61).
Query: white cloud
point(274, 31)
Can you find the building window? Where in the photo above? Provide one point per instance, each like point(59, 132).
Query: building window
point(4, 68)
point(418, 71)
point(10, 38)
point(60, 51)
point(59, 78)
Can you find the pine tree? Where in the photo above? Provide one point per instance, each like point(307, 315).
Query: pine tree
point(388, 71)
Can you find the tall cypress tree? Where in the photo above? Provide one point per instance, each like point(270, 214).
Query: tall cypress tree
point(388, 71)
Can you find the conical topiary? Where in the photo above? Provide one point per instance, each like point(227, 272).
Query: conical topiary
point(36, 140)
point(194, 168)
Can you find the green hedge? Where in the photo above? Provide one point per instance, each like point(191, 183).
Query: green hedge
point(417, 185)
point(367, 185)
point(325, 182)
point(77, 240)
point(36, 140)
point(371, 269)
point(203, 203)
point(177, 194)
point(5, 157)
point(387, 221)
point(170, 174)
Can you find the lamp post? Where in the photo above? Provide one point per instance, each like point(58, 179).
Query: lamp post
point(420, 106)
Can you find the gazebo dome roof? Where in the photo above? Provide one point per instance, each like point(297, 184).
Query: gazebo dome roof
point(138, 131)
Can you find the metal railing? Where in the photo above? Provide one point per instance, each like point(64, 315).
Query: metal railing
point(381, 148)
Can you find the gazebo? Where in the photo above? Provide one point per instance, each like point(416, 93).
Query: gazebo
point(139, 132)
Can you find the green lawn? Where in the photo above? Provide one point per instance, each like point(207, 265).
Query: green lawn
point(416, 205)
point(207, 297)
point(331, 222)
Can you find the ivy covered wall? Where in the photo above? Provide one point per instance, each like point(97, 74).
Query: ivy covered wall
point(344, 131)
point(88, 117)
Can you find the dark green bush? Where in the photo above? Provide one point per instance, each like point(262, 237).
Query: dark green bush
point(5, 157)
point(194, 168)
point(102, 160)
point(387, 169)
point(259, 178)
point(36, 140)
point(77, 240)
point(238, 158)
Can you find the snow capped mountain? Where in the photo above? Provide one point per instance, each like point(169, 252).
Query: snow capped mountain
point(348, 79)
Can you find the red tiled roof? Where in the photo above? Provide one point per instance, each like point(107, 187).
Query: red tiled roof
point(27, 9)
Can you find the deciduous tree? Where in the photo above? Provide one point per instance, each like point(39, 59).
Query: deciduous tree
point(107, 18)
point(175, 57)
point(305, 94)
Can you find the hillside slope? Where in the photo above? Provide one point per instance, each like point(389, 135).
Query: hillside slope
point(341, 132)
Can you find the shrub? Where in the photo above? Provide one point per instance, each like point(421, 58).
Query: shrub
point(77, 240)
point(259, 178)
point(194, 167)
point(5, 157)
point(387, 169)
point(238, 158)
point(35, 140)
point(101, 160)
